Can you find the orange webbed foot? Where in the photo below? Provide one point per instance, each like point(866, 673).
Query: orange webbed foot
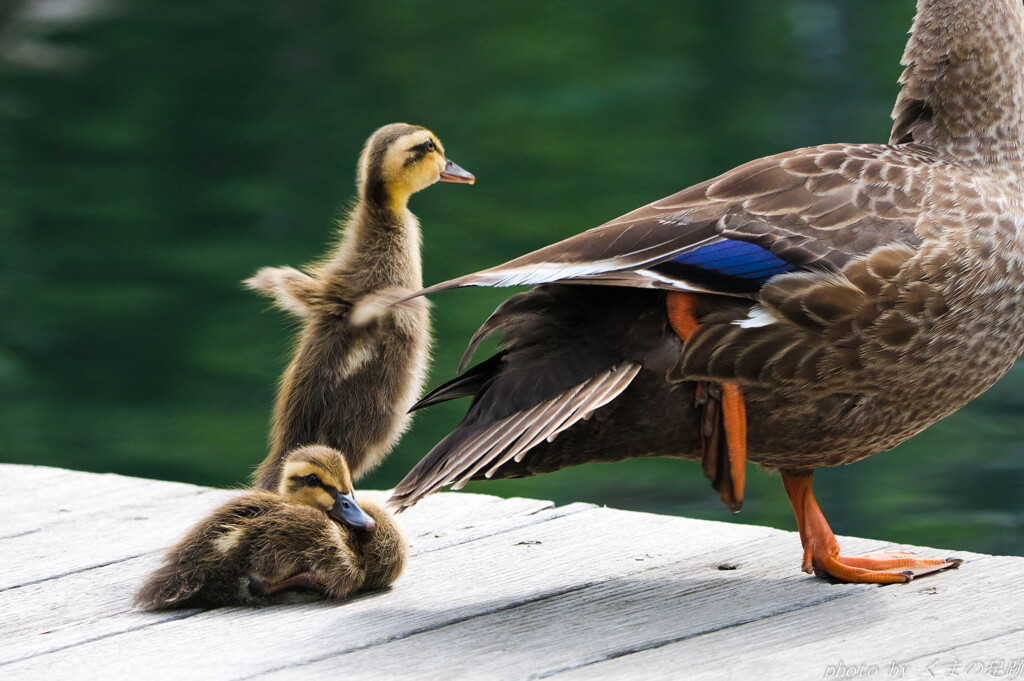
point(821, 550)
point(879, 567)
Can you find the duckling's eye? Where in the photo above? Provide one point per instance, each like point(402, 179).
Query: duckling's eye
point(429, 145)
point(313, 480)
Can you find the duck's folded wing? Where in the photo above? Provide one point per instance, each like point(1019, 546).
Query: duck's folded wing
point(813, 208)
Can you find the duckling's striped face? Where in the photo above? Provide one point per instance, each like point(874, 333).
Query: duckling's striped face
point(399, 160)
point(318, 476)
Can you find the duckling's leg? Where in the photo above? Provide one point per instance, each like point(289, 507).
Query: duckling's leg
point(303, 580)
point(722, 406)
point(821, 550)
point(291, 290)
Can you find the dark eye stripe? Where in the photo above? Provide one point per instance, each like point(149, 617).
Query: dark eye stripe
point(303, 481)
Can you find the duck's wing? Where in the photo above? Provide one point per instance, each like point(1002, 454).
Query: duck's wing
point(812, 208)
point(570, 350)
point(560, 364)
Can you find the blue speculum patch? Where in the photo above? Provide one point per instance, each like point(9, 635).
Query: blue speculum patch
point(736, 259)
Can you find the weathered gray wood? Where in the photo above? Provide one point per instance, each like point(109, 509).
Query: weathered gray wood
point(906, 625)
point(58, 496)
point(104, 587)
point(441, 587)
point(86, 540)
point(1002, 657)
point(495, 588)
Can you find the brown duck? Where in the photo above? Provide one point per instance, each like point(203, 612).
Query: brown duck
point(806, 309)
point(360, 363)
point(311, 534)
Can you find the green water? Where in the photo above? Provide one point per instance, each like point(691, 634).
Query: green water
point(154, 153)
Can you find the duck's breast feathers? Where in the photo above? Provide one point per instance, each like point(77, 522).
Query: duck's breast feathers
point(809, 209)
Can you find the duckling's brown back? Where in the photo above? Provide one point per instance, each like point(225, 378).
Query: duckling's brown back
point(207, 567)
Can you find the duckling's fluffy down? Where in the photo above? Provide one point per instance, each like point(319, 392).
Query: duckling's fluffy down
point(261, 537)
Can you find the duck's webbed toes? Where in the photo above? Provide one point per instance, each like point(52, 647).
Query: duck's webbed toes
point(880, 567)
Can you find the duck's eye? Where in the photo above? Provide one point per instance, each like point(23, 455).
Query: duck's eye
point(313, 480)
point(429, 145)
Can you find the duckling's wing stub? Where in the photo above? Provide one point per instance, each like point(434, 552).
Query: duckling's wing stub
point(809, 209)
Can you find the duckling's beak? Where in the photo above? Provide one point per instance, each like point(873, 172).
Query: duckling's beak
point(347, 512)
point(453, 173)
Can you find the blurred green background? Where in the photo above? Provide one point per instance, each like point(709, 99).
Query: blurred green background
point(155, 153)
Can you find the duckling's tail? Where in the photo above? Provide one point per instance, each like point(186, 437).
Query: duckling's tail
point(166, 589)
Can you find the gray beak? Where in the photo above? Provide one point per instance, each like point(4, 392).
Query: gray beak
point(453, 173)
point(347, 512)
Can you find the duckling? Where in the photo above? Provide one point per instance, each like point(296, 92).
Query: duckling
point(360, 364)
point(312, 533)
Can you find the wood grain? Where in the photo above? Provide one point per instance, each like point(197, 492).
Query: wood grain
point(495, 588)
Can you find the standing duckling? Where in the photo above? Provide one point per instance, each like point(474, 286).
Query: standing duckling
point(311, 533)
point(360, 364)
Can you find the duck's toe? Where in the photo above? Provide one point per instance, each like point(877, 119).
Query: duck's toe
point(880, 567)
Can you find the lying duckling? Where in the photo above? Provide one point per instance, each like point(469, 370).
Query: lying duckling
point(360, 364)
point(310, 534)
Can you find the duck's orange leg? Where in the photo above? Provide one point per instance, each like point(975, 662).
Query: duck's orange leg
point(681, 308)
point(821, 550)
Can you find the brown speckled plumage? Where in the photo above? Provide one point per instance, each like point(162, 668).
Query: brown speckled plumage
point(268, 537)
point(360, 364)
point(896, 298)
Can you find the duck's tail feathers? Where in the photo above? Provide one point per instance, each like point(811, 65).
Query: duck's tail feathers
point(463, 455)
point(566, 352)
point(466, 384)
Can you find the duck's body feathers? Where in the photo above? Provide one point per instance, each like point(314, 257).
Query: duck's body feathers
point(852, 259)
point(811, 209)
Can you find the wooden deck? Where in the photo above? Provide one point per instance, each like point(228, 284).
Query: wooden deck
point(495, 589)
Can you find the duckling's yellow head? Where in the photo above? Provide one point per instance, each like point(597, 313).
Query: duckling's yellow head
point(401, 159)
point(318, 476)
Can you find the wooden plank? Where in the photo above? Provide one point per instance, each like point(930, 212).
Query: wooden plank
point(33, 497)
point(440, 588)
point(604, 619)
point(114, 522)
point(104, 590)
point(89, 540)
point(496, 589)
point(612, 618)
point(999, 657)
point(877, 628)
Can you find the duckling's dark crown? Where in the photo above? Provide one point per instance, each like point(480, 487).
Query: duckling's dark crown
point(321, 457)
point(371, 170)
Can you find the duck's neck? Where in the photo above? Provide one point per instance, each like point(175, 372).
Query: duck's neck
point(380, 246)
point(963, 82)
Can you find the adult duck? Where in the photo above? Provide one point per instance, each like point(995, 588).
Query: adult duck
point(806, 309)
